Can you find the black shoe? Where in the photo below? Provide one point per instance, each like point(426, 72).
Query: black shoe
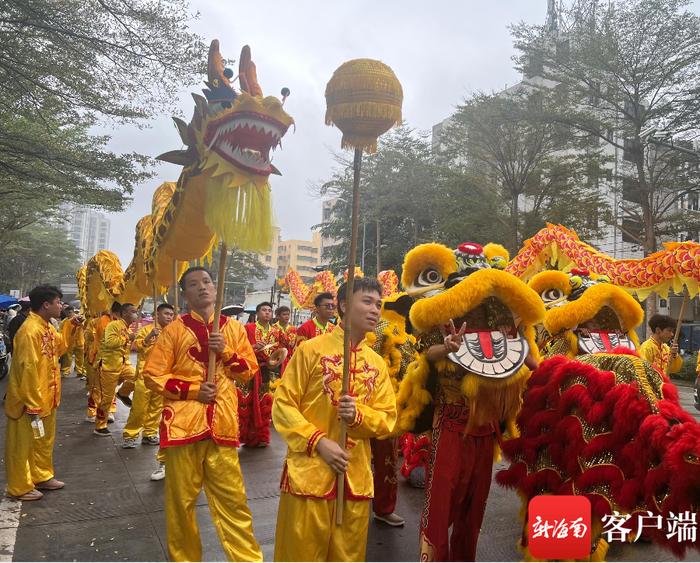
point(101, 432)
point(125, 399)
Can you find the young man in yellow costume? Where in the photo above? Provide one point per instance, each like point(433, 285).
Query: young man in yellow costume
point(656, 349)
point(74, 337)
point(33, 396)
point(147, 405)
point(307, 411)
point(199, 426)
point(115, 366)
point(94, 332)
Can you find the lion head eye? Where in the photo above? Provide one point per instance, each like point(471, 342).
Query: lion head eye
point(429, 277)
point(691, 458)
point(549, 295)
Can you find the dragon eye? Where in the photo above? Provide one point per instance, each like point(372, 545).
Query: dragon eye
point(429, 277)
point(691, 458)
point(549, 295)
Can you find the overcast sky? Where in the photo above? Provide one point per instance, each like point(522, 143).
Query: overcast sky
point(441, 51)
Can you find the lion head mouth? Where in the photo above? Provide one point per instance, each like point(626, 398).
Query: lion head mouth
point(491, 345)
point(602, 333)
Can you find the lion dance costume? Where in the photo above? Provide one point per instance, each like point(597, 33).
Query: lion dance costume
point(598, 420)
point(468, 397)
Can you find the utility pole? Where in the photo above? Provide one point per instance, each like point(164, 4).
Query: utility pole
point(379, 248)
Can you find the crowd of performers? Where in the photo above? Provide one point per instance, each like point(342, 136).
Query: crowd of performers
point(267, 371)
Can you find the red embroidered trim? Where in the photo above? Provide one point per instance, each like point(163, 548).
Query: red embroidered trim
point(236, 364)
point(224, 442)
point(178, 387)
point(201, 333)
point(358, 418)
point(315, 437)
point(168, 442)
point(330, 495)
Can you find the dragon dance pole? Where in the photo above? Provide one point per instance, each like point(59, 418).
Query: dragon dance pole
point(357, 167)
point(223, 255)
point(678, 328)
point(155, 305)
point(176, 289)
point(363, 99)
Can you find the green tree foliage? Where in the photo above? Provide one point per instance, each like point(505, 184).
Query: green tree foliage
point(397, 185)
point(242, 270)
point(620, 69)
point(524, 167)
point(66, 66)
point(39, 254)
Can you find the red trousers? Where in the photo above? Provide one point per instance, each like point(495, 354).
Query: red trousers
point(254, 412)
point(385, 459)
point(458, 486)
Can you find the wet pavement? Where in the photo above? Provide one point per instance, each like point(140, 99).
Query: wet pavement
point(110, 510)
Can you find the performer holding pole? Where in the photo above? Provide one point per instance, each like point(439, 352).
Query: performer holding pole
point(363, 100)
point(679, 324)
point(309, 411)
point(656, 349)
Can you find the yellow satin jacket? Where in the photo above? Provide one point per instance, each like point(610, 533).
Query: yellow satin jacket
point(97, 327)
point(73, 334)
point(658, 356)
point(115, 346)
point(305, 410)
point(177, 366)
point(34, 383)
point(143, 349)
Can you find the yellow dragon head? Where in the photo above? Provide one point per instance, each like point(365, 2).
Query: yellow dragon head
point(233, 132)
point(586, 314)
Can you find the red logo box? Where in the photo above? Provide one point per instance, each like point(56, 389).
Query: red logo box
point(559, 527)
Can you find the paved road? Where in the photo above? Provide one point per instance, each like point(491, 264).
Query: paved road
point(111, 511)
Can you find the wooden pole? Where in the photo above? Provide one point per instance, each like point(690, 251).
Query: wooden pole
point(678, 329)
point(155, 306)
point(357, 167)
point(176, 300)
point(223, 255)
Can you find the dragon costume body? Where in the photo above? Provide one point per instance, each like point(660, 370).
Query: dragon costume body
point(468, 398)
point(597, 420)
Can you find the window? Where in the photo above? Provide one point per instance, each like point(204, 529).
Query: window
point(691, 202)
point(631, 231)
point(534, 66)
point(630, 190)
point(631, 149)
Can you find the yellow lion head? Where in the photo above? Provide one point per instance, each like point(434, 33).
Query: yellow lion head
point(585, 314)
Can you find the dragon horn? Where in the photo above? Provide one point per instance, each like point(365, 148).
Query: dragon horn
point(247, 74)
point(215, 65)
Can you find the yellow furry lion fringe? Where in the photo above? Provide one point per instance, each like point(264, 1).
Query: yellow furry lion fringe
point(488, 399)
point(523, 302)
point(590, 303)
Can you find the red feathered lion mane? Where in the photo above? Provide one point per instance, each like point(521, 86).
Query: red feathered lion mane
point(618, 436)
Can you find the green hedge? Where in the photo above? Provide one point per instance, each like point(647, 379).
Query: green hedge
point(687, 372)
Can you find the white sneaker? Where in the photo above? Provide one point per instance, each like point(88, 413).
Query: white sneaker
point(129, 443)
point(110, 418)
point(158, 474)
point(89, 419)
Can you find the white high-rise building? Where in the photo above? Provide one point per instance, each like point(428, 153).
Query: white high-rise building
point(88, 229)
